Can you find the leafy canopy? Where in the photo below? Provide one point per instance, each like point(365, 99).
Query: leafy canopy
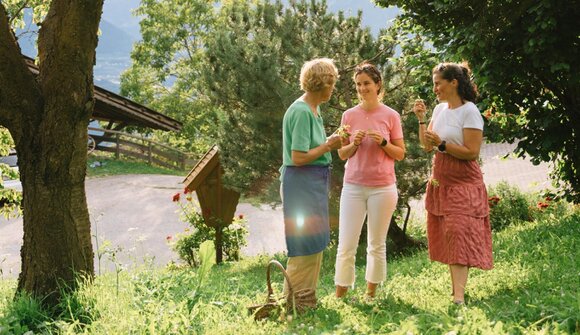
point(525, 59)
point(244, 68)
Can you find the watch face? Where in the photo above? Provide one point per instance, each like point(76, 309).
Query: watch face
point(384, 142)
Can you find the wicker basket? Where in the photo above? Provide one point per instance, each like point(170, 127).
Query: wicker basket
point(297, 302)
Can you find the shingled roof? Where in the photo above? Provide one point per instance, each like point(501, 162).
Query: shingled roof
point(122, 112)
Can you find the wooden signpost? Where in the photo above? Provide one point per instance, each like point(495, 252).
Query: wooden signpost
point(218, 204)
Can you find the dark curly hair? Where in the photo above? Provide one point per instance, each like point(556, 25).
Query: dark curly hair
point(466, 88)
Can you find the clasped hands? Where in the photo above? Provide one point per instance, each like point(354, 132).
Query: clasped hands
point(374, 135)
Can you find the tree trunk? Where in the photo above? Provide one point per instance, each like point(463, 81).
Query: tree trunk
point(48, 119)
point(403, 243)
point(57, 237)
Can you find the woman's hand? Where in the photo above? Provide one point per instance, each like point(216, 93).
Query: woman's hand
point(334, 142)
point(419, 109)
point(359, 135)
point(375, 136)
point(432, 138)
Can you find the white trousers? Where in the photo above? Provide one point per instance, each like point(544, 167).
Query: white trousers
point(356, 202)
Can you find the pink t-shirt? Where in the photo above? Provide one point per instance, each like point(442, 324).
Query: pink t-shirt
point(370, 165)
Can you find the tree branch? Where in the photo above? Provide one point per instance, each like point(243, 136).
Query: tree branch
point(370, 60)
point(19, 93)
point(24, 5)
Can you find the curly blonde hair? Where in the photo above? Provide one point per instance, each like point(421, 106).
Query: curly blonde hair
point(317, 74)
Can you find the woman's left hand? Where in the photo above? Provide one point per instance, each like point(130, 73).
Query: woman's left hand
point(375, 136)
point(432, 138)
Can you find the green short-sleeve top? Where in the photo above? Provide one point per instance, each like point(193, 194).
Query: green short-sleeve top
point(302, 131)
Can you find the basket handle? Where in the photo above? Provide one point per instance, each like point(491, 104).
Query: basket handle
point(281, 267)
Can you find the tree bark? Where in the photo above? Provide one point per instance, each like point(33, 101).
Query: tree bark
point(403, 243)
point(50, 133)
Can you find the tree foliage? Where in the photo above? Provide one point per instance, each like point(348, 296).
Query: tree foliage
point(247, 65)
point(248, 60)
point(525, 59)
point(166, 64)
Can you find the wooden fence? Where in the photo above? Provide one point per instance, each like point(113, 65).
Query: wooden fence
point(139, 147)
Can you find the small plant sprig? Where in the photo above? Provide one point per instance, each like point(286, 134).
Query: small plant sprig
point(343, 131)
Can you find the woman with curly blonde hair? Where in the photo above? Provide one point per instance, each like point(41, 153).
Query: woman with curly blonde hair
point(305, 174)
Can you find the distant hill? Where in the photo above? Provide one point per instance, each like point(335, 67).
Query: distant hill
point(120, 14)
point(114, 40)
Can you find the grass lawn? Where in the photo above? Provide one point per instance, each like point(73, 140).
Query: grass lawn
point(100, 165)
point(533, 289)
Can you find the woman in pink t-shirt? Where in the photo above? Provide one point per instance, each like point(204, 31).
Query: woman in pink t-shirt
point(375, 141)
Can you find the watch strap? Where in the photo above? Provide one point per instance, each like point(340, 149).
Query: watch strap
point(384, 142)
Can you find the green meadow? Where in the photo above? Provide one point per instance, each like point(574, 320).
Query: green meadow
point(533, 289)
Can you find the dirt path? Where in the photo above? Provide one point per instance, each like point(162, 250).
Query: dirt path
point(135, 214)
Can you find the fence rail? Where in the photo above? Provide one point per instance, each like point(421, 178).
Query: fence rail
point(139, 147)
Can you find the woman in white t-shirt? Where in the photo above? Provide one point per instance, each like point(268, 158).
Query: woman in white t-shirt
point(458, 229)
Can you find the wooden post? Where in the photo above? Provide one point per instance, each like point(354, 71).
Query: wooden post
point(117, 150)
point(219, 230)
point(181, 160)
point(218, 204)
point(149, 154)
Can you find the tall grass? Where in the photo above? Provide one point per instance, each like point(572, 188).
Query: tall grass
point(533, 289)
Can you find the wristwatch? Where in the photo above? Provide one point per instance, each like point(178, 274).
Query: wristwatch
point(384, 142)
point(441, 147)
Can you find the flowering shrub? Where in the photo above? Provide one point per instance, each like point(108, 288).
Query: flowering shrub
point(507, 205)
point(187, 244)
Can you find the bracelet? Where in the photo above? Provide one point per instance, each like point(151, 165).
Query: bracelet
point(422, 122)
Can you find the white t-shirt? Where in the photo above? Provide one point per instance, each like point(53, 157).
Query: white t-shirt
point(449, 123)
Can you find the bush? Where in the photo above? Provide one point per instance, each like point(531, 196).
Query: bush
point(546, 204)
point(187, 243)
point(507, 205)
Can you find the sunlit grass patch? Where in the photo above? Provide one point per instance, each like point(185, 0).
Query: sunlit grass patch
point(533, 289)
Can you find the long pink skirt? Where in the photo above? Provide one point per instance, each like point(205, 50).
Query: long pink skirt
point(458, 229)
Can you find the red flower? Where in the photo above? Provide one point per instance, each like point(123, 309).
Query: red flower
point(176, 197)
point(542, 205)
point(548, 198)
point(487, 114)
point(168, 238)
point(493, 200)
point(186, 190)
point(241, 216)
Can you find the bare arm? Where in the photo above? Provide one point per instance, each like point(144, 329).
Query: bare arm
point(395, 149)
point(300, 158)
point(419, 109)
point(349, 149)
point(472, 139)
